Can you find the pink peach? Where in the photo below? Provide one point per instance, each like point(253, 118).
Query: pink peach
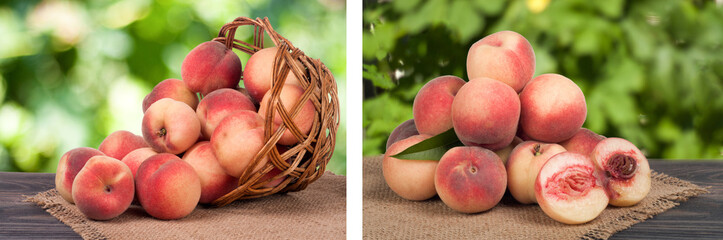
point(170, 126)
point(410, 179)
point(485, 113)
point(168, 188)
point(505, 152)
point(214, 181)
point(171, 88)
point(259, 71)
point(237, 140)
point(217, 105)
point(583, 142)
point(210, 66)
point(470, 179)
point(432, 106)
point(524, 165)
point(290, 97)
point(553, 108)
point(505, 56)
point(70, 164)
point(120, 143)
point(134, 159)
point(403, 131)
point(104, 188)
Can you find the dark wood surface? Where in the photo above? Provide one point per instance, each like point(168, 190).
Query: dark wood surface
point(699, 217)
point(24, 220)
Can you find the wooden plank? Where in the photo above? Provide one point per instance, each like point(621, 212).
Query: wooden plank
point(700, 217)
point(24, 220)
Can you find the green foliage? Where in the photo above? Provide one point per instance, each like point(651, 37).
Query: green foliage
point(650, 70)
point(72, 72)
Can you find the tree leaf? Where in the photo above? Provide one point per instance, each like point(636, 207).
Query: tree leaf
point(379, 79)
point(432, 148)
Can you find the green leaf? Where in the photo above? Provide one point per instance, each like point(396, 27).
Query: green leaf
point(405, 6)
point(432, 148)
point(370, 45)
point(379, 79)
point(464, 20)
point(611, 8)
point(491, 7)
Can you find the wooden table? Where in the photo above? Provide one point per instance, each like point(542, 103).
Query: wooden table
point(699, 217)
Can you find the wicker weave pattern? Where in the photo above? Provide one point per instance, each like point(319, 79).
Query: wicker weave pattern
point(307, 159)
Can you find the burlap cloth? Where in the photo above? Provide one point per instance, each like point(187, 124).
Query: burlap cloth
point(318, 212)
point(388, 216)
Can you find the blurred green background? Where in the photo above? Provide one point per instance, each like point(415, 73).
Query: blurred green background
point(72, 72)
point(651, 70)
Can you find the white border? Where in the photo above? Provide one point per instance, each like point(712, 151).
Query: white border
point(354, 120)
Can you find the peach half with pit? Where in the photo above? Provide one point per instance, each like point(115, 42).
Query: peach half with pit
point(569, 189)
point(626, 168)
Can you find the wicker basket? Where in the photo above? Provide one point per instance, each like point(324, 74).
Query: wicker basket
point(307, 159)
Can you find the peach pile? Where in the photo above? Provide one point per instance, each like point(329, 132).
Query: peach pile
point(199, 136)
point(520, 132)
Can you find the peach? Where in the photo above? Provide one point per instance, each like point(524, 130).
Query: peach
point(522, 135)
point(168, 187)
point(569, 189)
point(210, 66)
point(404, 130)
point(432, 106)
point(171, 88)
point(505, 56)
point(214, 181)
point(290, 97)
point(134, 159)
point(243, 91)
point(470, 179)
point(68, 167)
point(553, 108)
point(504, 153)
point(524, 165)
point(270, 175)
point(410, 179)
point(258, 74)
point(237, 140)
point(170, 126)
point(485, 113)
point(583, 142)
point(104, 188)
point(120, 143)
point(275, 171)
point(217, 105)
point(627, 170)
